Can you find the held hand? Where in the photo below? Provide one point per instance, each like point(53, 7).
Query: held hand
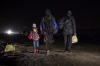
point(74, 34)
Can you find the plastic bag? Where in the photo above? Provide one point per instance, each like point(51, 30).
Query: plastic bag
point(74, 39)
point(10, 47)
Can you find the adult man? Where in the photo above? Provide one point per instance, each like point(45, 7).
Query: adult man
point(69, 29)
point(48, 27)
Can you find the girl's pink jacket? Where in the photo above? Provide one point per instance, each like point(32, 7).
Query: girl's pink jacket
point(31, 38)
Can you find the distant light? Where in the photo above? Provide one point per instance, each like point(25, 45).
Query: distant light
point(9, 32)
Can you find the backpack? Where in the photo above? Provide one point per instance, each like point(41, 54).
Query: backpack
point(55, 27)
point(54, 24)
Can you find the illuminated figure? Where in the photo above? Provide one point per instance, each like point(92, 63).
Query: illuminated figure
point(35, 37)
point(67, 23)
point(48, 27)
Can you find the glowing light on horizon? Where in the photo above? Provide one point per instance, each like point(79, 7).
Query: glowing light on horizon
point(9, 32)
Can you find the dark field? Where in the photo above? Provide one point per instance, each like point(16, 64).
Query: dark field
point(84, 53)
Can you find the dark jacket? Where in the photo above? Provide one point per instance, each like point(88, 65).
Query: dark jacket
point(47, 24)
point(69, 25)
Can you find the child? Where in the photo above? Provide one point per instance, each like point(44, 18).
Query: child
point(35, 37)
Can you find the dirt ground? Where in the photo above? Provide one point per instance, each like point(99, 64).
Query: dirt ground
point(82, 55)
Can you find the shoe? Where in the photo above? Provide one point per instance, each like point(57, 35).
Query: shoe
point(48, 52)
point(68, 52)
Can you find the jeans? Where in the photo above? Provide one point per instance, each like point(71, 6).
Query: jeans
point(68, 42)
point(36, 43)
point(48, 40)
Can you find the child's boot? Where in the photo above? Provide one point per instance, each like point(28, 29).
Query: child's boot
point(34, 50)
point(37, 51)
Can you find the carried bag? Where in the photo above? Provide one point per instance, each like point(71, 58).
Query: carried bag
point(74, 39)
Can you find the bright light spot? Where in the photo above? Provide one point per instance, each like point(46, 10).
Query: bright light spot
point(9, 32)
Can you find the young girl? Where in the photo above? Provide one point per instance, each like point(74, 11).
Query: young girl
point(35, 37)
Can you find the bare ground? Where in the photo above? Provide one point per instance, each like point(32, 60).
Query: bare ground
point(82, 55)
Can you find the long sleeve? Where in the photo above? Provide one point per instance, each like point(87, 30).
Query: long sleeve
point(74, 25)
point(30, 36)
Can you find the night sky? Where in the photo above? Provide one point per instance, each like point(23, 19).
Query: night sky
point(18, 14)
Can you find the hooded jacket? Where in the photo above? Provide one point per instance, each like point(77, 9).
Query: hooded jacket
point(69, 25)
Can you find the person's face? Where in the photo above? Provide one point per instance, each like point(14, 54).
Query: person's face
point(34, 30)
point(48, 12)
point(69, 13)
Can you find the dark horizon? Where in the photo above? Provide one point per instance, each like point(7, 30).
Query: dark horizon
point(18, 14)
